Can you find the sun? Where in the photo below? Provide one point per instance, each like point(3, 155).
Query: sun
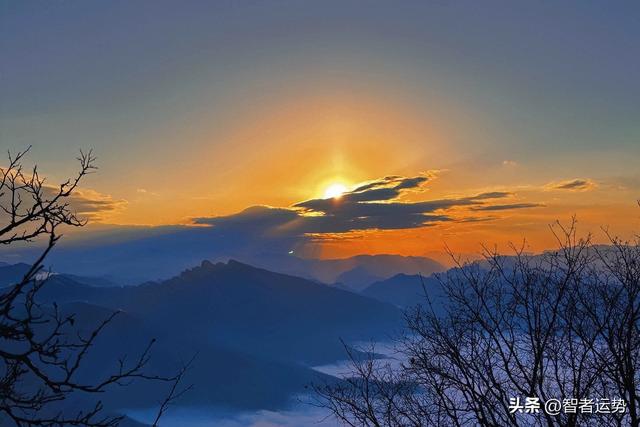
point(334, 191)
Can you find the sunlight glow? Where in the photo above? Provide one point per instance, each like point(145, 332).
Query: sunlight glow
point(334, 191)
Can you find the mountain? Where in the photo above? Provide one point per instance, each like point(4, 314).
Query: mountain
point(352, 273)
point(128, 422)
point(12, 273)
point(131, 255)
point(405, 290)
point(222, 378)
point(285, 316)
point(388, 265)
point(256, 333)
point(245, 307)
point(93, 280)
point(356, 279)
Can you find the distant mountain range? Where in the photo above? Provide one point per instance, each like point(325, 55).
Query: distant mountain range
point(354, 273)
point(256, 332)
point(257, 326)
point(12, 273)
point(158, 253)
point(403, 290)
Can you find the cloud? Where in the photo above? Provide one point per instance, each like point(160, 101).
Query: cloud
point(259, 232)
point(507, 207)
point(389, 187)
point(85, 203)
point(492, 195)
point(473, 219)
point(146, 192)
point(373, 205)
point(571, 185)
point(91, 204)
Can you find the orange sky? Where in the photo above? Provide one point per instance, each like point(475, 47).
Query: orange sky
point(278, 156)
point(290, 150)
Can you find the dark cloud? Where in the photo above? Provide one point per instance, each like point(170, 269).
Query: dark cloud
point(492, 195)
point(486, 218)
point(507, 207)
point(278, 221)
point(373, 205)
point(394, 182)
point(86, 203)
point(571, 185)
point(93, 205)
point(387, 188)
point(253, 219)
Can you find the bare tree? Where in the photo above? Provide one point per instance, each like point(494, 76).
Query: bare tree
point(562, 325)
point(41, 353)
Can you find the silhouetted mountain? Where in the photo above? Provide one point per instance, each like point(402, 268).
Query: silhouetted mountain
point(131, 255)
point(405, 290)
point(12, 273)
point(389, 265)
point(221, 377)
point(244, 307)
point(357, 279)
point(352, 273)
point(128, 422)
point(92, 280)
point(255, 331)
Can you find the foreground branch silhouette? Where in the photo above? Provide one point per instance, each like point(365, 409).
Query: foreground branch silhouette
point(561, 325)
point(41, 353)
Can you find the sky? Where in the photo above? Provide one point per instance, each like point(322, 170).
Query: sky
point(474, 122)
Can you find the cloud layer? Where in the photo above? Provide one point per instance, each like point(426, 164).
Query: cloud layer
point(86, 203)
point(92, 205)
point(572, 185)
point(373, 205)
